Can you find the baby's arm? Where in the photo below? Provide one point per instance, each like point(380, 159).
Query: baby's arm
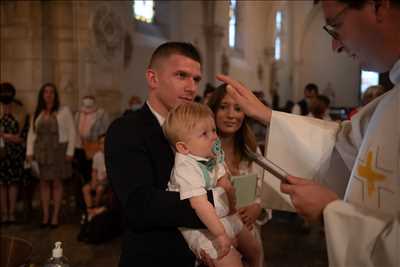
point(207, 215)
point(230, 191)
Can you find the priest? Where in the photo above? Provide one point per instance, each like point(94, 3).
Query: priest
point(354, 165)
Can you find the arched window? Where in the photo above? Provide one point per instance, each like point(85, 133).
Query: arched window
point(278, 35)
point(232, 23)
point(144, 10)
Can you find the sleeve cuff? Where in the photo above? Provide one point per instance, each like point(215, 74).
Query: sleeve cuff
point(192, 193)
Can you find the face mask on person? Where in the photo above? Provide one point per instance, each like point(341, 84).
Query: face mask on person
point(88, 103)
point(135, 107)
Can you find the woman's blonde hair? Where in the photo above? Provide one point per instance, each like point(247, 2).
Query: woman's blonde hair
point(183, 118)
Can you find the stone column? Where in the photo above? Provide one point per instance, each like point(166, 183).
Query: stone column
point(213, 36)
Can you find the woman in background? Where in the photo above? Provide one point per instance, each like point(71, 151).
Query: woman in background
point(51, 142)
point(12, 154)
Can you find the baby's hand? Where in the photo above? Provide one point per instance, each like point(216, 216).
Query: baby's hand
point(224, 244)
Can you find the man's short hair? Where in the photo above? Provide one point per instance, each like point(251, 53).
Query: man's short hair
point(174, 48)
point(311, 87)
point(182, 119)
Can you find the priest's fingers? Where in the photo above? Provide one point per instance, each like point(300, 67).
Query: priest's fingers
point(240, 89)
point(247, 101)
point(309, 199)
point(298, 181)
point(288, 188)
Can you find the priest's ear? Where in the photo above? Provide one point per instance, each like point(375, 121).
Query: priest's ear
point(182, 148)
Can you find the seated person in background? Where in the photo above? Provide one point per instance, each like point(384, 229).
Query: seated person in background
point(91, 122)
point(319, 108)
point(134, 103)
point(370, 94)
point(303, 106)
point(98, 183)
point(199, 166)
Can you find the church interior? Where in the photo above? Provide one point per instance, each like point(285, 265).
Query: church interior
point(101, 49)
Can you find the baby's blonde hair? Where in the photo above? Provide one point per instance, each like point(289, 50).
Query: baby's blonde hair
point(183, 118)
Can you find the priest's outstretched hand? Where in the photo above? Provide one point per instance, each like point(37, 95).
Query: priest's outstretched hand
point(247, 101)
point(308, 197)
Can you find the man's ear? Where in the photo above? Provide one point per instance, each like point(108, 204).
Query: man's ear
point(182, 148)
point(151, 77)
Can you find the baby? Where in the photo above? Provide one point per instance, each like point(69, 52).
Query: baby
point(199, 166)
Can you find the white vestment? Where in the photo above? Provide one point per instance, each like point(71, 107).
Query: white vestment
point(358, 159)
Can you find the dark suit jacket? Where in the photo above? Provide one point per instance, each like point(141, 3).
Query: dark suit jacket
point(139, 161)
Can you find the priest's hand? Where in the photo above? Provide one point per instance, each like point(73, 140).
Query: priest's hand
point(308, 197)
point(247, 101)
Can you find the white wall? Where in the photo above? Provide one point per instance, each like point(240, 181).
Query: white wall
point(317, 62)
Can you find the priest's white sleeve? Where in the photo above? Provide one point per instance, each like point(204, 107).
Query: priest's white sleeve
point(357, 236)
point(300, 145)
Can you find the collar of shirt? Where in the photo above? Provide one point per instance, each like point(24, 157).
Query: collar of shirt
point(159, 118)
point(394, 74)
point(197, 158)
point(209, 163)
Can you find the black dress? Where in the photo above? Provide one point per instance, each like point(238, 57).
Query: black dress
point(12, 165)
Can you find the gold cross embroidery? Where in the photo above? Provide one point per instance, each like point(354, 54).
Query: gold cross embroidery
point(368, 173)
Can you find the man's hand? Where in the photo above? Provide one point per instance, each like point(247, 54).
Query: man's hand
point(247, 101)
point(308, 197)
point(249, 214)
point(224, 244)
